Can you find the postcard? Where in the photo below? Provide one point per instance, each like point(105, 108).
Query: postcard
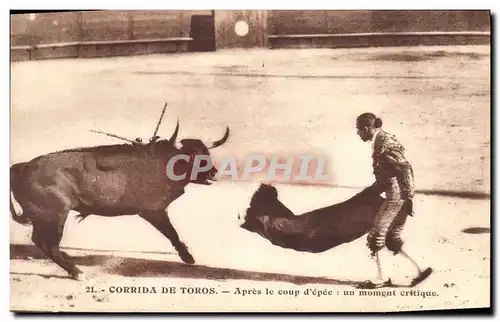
point(250, 161)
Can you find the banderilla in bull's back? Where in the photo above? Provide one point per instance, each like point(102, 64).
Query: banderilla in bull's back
point(138, 141)
point(109, 180)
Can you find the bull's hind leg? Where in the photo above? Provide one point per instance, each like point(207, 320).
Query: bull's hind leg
point(159, 219)
point(47, 234)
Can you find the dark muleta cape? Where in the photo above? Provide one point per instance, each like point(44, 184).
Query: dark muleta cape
point(315, 231)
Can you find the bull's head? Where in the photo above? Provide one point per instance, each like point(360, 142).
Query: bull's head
point(196, 162)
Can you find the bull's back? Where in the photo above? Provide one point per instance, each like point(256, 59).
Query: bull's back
point(109, 182)
point(63, 175)
point(126, 183)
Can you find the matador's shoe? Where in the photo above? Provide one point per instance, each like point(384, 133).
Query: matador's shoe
point(374, 285)
point(422, 276)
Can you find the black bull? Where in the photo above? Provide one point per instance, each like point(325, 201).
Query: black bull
point(315, 231)
point(109, 180)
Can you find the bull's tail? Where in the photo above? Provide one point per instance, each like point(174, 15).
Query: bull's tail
point(18, 217)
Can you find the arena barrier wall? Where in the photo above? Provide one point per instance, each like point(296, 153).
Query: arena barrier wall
point(334, 29)
point(100, 33)
point(120, 33)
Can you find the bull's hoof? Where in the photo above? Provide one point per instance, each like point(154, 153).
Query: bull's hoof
point(78, 276)
point(186, 257)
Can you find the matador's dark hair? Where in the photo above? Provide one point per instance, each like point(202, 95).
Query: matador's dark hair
point(369, 119)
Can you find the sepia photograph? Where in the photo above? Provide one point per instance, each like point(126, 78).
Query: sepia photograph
point(230, 161)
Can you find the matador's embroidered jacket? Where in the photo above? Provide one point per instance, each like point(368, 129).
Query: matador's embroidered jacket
point(389, 161)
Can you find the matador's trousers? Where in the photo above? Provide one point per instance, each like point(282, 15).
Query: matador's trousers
point(389, 221)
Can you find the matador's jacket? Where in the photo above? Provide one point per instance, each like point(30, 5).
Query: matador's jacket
point(389, 162)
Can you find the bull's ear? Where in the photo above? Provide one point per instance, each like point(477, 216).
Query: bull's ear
point(182, 143)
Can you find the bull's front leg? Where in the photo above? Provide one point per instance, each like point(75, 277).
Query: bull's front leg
point(173, 195)
point(159, 219)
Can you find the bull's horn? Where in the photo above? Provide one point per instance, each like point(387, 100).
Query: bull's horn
point(173, 138)
point(221, 141)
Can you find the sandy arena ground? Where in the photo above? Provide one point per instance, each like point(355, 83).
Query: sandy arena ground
point(283, 102)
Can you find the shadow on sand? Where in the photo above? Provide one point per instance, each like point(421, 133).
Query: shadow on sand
point(137, 267)
point(47, 276)
point(476, 230)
